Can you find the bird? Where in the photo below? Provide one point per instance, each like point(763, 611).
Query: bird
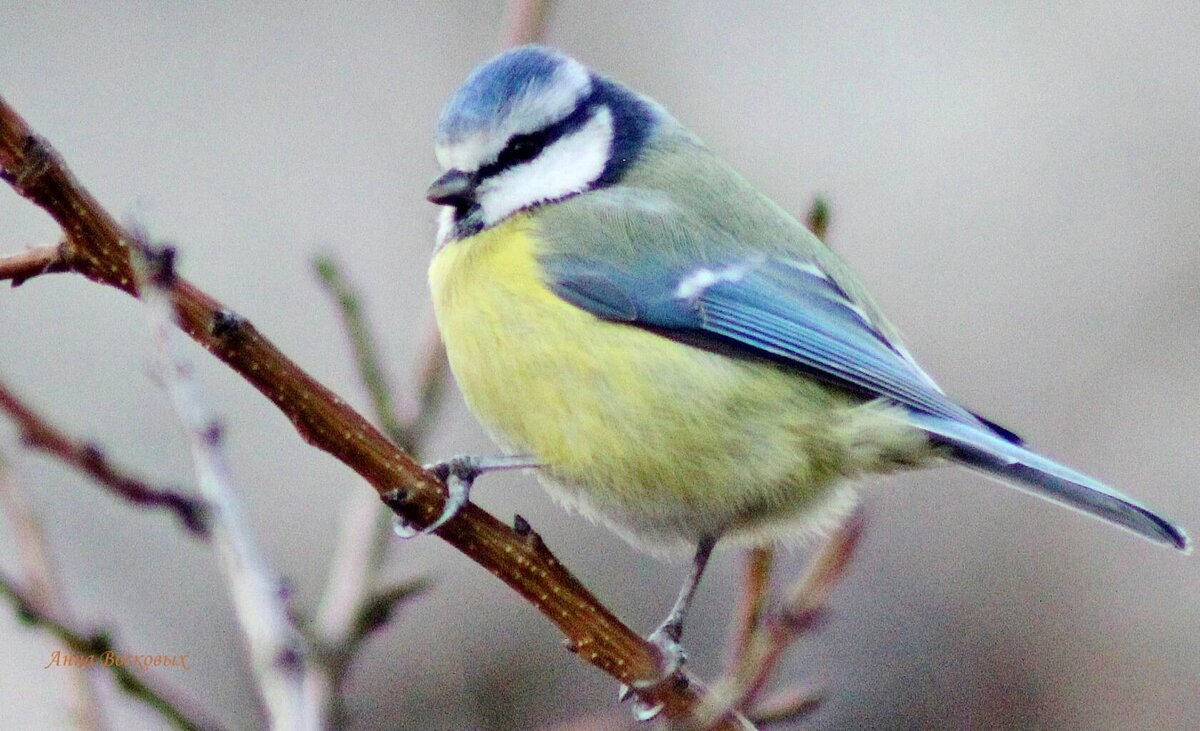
point(672, 353)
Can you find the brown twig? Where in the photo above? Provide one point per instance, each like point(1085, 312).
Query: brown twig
point(90, 460)
point(97, 248)
point(800, 611)
point(525, 22)
point(19, 268)
point(44, 594)
point(751, 605)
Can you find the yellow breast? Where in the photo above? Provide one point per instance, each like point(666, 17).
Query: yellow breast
point(650, 434)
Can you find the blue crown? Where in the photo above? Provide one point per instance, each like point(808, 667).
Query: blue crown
point(494, 89)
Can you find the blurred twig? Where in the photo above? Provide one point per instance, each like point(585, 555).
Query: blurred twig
point(817, 219)
point(20, 267)
point(525, 22)
point(366, 353)
point(99, 645)
point(89, 459)
point(758, 653)
point(44, 592)
point(751, 604)
point(351, 608)
point(40, 603)
point(277, 655)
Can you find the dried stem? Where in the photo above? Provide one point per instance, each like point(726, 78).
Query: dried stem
point(277, 655)
point(44, 592)
point(90, 460)
point(97, 247)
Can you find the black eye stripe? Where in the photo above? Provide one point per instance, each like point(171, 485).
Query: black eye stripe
point(522, 148)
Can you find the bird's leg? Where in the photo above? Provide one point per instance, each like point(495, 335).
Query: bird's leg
point(460, 474)
point(668, 635)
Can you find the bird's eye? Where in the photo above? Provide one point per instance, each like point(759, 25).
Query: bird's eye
point(521, 148)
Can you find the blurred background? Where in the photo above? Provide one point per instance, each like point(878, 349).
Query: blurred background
point(1018, 185)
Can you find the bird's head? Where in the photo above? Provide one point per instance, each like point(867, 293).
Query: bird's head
point(528, 127)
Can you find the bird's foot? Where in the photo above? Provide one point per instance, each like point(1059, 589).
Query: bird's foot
point(671, 660)
point(459, 473)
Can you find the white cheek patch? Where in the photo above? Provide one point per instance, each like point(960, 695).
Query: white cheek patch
point(568, 166)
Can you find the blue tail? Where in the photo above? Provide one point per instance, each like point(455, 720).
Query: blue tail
point(1012, 463)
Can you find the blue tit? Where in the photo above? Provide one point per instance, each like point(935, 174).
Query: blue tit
point(676, 355)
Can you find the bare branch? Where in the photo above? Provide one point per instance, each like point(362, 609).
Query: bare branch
point(99, 647)
point(525, 22)
point(20, 268)
point(44, 591)
point(277, 655)
point(801, 610)
point(755, 593)
point(366, 354)
point(380, 606)
point(98, 249)
point(90, 460)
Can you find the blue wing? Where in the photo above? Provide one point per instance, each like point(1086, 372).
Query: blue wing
point(767, 306)
point(795, 311)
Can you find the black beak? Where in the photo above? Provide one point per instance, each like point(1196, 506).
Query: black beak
point(454, 188)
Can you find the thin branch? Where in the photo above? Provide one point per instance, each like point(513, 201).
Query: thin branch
point(525, 22)
point(276, 650)
point(755, 593)
point(787, 706)
point(97, 248)
point(349, 609)
point(90, 460)
point(349, 604)
point(801, 610)
point(366, 353)
point(20, 268)
point(97, 649)
point(44, 591)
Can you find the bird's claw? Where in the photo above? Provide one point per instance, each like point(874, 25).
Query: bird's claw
point(672, 658)
point(459, 474)
point(465, 467)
